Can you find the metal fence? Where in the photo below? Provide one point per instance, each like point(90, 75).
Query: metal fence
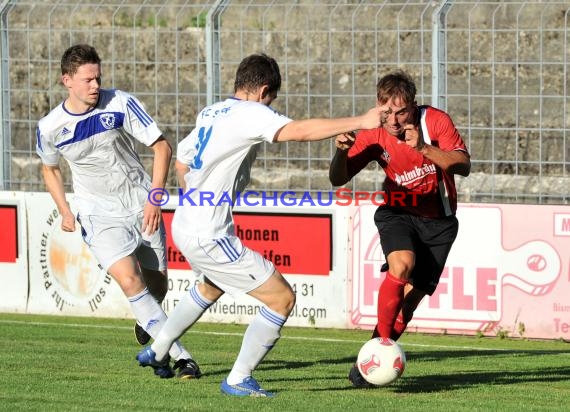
point(500, 68)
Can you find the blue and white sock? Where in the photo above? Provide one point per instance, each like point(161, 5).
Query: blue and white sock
point(259, 338)
point(151, 317)
point(183, 316)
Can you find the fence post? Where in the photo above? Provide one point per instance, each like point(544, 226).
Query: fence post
point(213, 85)
point(438, 56)
point(5, 98)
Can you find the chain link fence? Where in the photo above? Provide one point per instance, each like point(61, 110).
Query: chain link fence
point(500, 68)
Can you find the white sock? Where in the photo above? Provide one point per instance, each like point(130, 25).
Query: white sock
point(177, 351)
point(151, 317)
point(148, 312)
point(183, 316)
point(259, 338)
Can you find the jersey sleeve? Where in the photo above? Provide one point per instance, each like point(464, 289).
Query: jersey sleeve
point(138, 123)
point(448, 136)
point(265, 122)
point(45, 149)
point(185, 149)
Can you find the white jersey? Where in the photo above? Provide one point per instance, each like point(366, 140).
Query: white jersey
point(185, 155)
point(108, 177)
point(218, 151)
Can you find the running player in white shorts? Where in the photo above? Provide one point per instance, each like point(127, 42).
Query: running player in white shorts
point(218, 146)
point(94, 131)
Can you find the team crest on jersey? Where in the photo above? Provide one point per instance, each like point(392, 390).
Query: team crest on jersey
point(385, 156)
point(107, 120)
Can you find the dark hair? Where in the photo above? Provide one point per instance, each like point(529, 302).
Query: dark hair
point(258, 70)
point(396, 84)
point(76, 56)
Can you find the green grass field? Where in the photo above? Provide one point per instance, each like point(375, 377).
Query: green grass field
point(88, 364)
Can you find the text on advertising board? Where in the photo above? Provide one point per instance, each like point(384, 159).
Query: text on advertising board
point(295, 243)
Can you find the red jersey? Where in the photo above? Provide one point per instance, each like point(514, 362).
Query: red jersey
point(413, 183)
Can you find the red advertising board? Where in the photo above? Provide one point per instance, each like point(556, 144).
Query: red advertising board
point(8, 234)
point(298, 244)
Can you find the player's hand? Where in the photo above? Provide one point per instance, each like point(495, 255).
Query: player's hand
point(384, 113)
point(412, 132)
point(151, 218)
point(375, 117)
point(345, 141)
point(68, 222)
point(413, 136)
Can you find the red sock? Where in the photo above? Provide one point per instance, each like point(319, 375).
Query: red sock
point(399, 327)
point(390, 299)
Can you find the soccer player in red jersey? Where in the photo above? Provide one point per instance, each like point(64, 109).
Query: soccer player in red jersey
point(420, 150)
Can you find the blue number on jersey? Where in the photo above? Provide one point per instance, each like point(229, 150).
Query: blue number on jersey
point(203, 137)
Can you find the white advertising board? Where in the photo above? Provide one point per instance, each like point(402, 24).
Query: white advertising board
point(65, 278)
point(508, 271)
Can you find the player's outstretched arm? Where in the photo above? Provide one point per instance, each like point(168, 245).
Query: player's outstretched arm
point(161, 163)
point(319, 129)
point(54, 184)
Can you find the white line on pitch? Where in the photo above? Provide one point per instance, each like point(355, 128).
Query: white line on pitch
point(79, 325)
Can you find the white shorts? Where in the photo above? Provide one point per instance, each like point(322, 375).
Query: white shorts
point(226, 262)
point(113, 238)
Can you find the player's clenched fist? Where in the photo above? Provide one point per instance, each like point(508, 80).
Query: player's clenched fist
point(344, 141)
point(68, 222)
point(413, 136)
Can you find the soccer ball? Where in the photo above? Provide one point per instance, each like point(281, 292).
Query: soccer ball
point(381, 361)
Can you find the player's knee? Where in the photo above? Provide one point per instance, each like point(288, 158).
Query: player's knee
point(401, 263)
point(130, 284)
point(288, 300)
point(401, 269)
point(282, 302)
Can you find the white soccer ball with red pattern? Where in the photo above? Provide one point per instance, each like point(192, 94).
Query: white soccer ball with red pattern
point(381, 361)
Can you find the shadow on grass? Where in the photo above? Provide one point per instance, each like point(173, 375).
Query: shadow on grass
point(443, 355)
point(446, 382)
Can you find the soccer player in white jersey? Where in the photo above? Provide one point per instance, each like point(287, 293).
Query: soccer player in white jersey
point(94, 131)
point(185, 157)
point(204, 232)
